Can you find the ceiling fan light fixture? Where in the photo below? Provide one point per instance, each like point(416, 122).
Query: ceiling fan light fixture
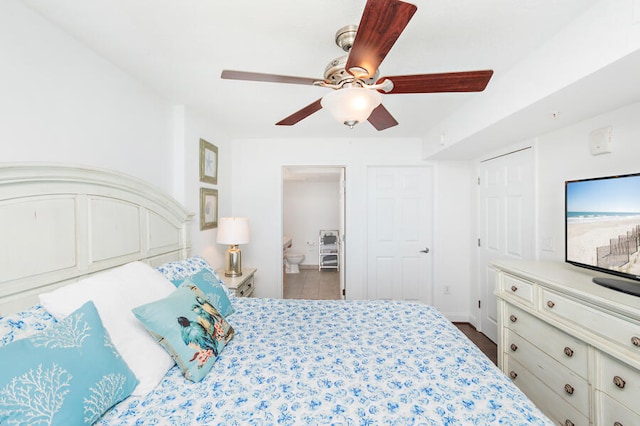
point(351, 105)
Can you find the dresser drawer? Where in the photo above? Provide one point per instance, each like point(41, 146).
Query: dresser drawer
point(567, 350)
point(620, 331)
point(246, 288)
point(564, 382)
point(520, 289)
point(612, 413)
point(544, 398)
point(619, 381)
point(242, 285)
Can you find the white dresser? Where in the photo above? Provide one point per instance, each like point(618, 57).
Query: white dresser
point(572, 346)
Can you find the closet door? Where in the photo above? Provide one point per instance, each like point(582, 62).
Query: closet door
point(399, 205)
point(506, 223)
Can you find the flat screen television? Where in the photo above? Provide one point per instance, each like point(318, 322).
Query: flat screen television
point(602, 228)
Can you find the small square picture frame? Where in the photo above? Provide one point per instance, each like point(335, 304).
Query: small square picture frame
point(208, 208)
point(208, 162)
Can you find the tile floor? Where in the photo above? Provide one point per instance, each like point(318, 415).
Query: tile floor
point(317, 285)
point(313, 284)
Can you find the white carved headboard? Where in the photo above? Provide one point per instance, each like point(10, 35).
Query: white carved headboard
point(59, 223)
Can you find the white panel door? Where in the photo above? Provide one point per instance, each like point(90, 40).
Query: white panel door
point(399, 229)
point(506, 223)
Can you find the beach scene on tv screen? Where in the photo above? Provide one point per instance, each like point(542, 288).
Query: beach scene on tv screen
point(603, 223)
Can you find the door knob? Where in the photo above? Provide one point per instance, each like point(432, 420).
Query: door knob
point(426, 250)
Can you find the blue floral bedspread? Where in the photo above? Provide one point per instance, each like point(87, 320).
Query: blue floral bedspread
point(336, 362)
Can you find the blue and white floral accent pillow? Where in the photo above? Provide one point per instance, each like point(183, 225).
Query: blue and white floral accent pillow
point(181, 269)
point(209, 284)
point(189, 327)
point(24, 323)
point(68, 374)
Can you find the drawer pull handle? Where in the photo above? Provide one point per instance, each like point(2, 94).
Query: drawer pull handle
point(568, 389)
point(619, 382)
point(618, 424)
point(568, 351)
point(568, 422)
point(513, 374)
point(242, 293)
point(635, 341)
point(514, 288)
point(514, 347)
point(550, 303)
point(513, 318)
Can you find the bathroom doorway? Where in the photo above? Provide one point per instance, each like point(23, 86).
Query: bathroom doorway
point(313, 201)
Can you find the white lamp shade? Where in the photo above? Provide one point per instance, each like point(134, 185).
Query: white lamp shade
point(351, 105)
point(233, 230)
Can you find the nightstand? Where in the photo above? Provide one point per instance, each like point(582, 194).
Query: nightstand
point(242, 285)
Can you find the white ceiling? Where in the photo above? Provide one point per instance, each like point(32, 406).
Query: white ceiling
point(180, 47)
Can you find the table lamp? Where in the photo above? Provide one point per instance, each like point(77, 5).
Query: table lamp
point(233, 231)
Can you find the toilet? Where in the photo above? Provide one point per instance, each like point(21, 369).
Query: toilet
point(292, 260)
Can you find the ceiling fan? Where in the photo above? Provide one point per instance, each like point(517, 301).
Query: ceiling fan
point(355, 77)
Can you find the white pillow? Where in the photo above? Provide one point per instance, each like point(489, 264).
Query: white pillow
point(115, 293)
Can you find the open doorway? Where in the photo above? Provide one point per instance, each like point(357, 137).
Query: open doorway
point(313, 207)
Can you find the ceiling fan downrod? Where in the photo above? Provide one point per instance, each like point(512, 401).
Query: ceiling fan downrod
point(345, 37)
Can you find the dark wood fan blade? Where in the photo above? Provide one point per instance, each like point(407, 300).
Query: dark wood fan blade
point(467, 81)
point(381, 118)
point(301, 114)
point(381, 24)
point(270, 78)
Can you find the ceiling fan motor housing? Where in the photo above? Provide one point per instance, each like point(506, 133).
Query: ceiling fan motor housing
point(336, 73)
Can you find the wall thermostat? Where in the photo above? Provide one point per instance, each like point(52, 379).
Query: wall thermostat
point(601, 140)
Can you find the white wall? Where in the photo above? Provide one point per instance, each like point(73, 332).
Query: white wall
point(60, 102)
point(198, 127)
point(454, 233)
point(309, 207)
point(257, 194)
point(564, 155)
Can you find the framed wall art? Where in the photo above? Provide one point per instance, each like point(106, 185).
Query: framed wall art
point(208, 162)
point(208, 208)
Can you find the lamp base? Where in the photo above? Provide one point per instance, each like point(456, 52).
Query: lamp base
point(233, 262)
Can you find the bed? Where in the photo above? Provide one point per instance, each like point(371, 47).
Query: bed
point(282, 361)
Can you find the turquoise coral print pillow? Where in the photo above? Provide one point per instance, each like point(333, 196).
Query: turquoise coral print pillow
point(209, 284)
point(189, 327)
point(68, 374)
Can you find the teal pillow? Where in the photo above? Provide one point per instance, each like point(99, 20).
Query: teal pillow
point(189, 327)
point(68, 374)
point(210, 285)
